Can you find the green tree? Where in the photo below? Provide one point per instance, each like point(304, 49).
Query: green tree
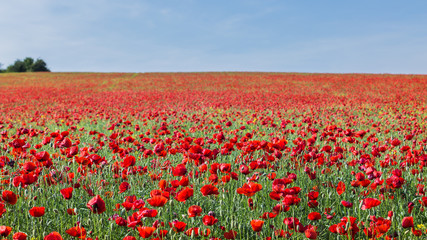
point(39, 66)
point(28, 65)
point(17, 66)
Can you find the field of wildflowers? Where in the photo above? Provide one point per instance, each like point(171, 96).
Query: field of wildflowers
point(212, 156)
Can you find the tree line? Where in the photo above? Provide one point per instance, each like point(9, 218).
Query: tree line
point(26, 65)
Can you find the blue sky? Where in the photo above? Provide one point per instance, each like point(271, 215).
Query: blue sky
point(232, 35)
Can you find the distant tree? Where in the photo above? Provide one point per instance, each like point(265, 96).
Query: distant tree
point(18, 66)
point(39, 66)
point(1, 69)
point(28, 65)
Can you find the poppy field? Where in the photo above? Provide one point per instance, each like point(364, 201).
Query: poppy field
point(212, 156)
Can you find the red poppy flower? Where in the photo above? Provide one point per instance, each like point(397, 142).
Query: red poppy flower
point(383, 226)
point(79, 232)
point(311, 233)
point(360, 176)
point(194, 211)
point(209, 220)
point(313, 195)
point(313, 216)
point(416, 232)
point(408, 222)
point(271, 176)
point(369, 203)
point(328, 216)
point(5, 231)
point(124, 186)
point(129, 238)
point(121, 221)
point(184, 181)
point(280, 208)
point(19, 236)
point(2, 209)
point(230, 234)
point(155, 192)
point(148, 213)
point(267, 215)
point(179, 170)
point(395, 181)
point(225, 167)
point(244, 169)
point(290, 200)
point(157, 201)
point(378, 227)
point(71, 211)
point(9, 197)
point(209, 189)
point(53, 236)
point(257, 225)
point(28, 179)
point(226, 178)
point(29, 166)
point(129, 161)
point(66, 143)
point(184, 194)
point(178, 226)
point(18, 143)
point(146, 232)
point(67, 193)
point(96, 205)
point(347, 204)
point(249, 189)
point(251, 203)
point(82, 160)
point(175, 183)
point(340, 188)
point(159, 149)
point(162, 233)
point(395, 142)
point(312, 203)
point(213, 178)
point(282, 234)
point(348, 225)
point(292, 222)
point(194, 231)
point(37, 211)
point(42, 156)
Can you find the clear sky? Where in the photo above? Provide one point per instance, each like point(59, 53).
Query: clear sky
point(363, 36)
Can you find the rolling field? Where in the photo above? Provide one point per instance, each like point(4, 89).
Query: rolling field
point(213, 156)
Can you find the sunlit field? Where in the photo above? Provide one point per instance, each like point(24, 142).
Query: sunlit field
point(213, 156)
